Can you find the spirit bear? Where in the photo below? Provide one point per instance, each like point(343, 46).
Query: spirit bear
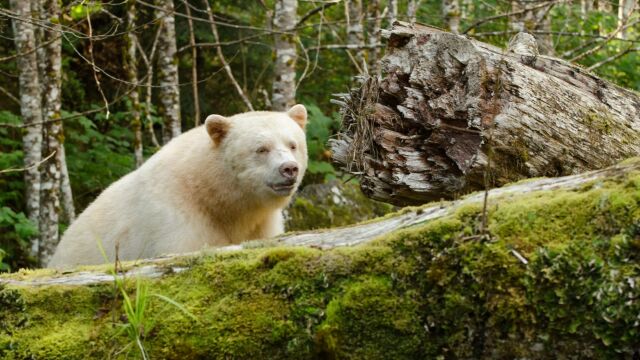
point(218, 184)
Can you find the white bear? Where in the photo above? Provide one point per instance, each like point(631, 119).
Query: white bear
point(218, 184)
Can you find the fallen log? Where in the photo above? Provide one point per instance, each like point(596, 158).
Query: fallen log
point(552, 273)
point(453, 115)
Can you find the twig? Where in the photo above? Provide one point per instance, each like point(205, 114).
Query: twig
point(613, 58)
point(520, 257)
point(225, 64)
point(312, 12)
point(32, 166)
point(9, 95)
point(490, 18)
point(604, 42)
point(93, 66)
point(194, 70)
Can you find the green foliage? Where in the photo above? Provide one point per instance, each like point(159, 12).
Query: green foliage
point(80, 12)
point(98, 153)
point(319, 129)
point(15, 228)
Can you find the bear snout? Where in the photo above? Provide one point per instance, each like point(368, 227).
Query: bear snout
point(289, 170)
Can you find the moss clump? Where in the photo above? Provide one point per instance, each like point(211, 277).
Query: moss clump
point(331, 205)
point(371, 320)
point(444, 289)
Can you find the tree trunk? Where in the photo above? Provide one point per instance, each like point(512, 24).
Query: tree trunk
point(68, 208)
point(625, 10)
point(355, 33)
point(168, 72)
point(451, 14)
point(284, 83)
point(452, 111)
point(131, 64)
point(374, 24)
point(49, 54)
point(30, 108)
point(392, 11)
point(194, 67)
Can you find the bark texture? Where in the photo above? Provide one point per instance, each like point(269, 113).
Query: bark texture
point(168, 71)
point(454, 115)
point(30, 107)
point(131, 64)
point(284, 83)
point(51, 78)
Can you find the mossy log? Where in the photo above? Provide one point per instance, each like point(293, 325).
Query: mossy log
point(550, 270)
point(453, 115)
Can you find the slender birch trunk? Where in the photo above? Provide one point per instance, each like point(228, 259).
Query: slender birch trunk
point(412, 10)
point(392, 11)
point(50, 61)
point(355, 35)
point(451, 14)
point(374, 25)
point(168, 71)
point(69, 211)
point(284, 83)
point(194, 68)
point(131, 65)
point(30, 108)
point(625, 10)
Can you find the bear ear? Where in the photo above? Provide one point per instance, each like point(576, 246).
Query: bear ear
point(299, 114)
point(217, 126)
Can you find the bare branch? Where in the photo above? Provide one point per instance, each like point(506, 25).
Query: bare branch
point(225, 64)
point(29, 167)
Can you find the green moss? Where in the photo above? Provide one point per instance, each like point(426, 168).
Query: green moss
point(371, 320)
point(443, 289)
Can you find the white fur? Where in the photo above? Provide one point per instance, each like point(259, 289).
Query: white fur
point(193, 194)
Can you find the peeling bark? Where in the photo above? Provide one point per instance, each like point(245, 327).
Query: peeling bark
point(168, 72)
point(30, 108)
point(284, 83)
point(51, 78)
point(449, 105)
point(131, 65)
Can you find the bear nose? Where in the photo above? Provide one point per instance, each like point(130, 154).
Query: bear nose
point(289, 170)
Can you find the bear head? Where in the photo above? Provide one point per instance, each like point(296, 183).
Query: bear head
point(265, 151)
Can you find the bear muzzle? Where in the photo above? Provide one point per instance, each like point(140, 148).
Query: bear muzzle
point(289, 172)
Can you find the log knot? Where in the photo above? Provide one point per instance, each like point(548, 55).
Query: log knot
point(525, 45)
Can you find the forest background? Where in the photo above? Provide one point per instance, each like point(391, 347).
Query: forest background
point(89, 89)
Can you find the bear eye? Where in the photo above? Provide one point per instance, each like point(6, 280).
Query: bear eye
point(293, 146)
point(262, 150)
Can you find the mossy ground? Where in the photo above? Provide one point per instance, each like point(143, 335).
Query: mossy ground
point(444, 289)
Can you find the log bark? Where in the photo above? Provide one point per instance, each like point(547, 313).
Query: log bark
point(326, 239)
point(454, 115)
